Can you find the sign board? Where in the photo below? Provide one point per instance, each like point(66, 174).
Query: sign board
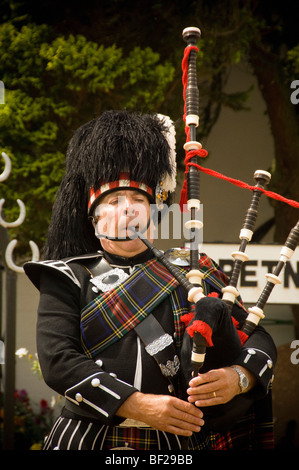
point(252, 280)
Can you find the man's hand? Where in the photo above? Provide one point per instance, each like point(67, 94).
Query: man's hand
point(163, 412)
point(216, 386)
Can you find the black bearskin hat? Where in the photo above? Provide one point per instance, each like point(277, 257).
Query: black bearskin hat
point(140, 145)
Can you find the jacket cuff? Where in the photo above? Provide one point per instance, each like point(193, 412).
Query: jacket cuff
point(260, 365)
point(99, 396)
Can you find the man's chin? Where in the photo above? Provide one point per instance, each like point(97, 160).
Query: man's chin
point(131, 242)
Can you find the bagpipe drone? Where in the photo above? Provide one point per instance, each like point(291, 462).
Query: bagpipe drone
point(212, 324)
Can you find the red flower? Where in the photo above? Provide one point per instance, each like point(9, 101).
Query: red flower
point(44, 407)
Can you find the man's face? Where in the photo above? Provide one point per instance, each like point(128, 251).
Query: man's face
point(117, 214)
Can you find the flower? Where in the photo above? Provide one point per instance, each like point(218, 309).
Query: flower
point(21, 352)
point(30, 426)
point(35, 366)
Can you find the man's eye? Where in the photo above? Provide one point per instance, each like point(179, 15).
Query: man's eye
point(140, 199)
point(114, 202)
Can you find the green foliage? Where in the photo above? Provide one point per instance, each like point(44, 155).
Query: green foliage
point(293, 59)
point(228, 33)
point(53, 84)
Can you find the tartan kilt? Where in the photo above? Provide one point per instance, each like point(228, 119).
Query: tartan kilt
point(73, 434)
point(253, 432)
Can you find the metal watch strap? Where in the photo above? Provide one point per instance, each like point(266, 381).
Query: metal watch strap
point(242, 378)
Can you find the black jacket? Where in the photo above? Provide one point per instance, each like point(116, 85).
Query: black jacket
point(65, 289)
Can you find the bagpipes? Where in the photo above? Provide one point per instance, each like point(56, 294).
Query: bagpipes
point(212, 324)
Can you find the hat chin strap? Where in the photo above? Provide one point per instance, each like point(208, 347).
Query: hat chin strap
point(116, 239)
point(125, 239)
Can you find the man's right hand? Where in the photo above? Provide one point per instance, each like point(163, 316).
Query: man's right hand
point(163, 412)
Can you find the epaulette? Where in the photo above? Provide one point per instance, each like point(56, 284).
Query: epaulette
point(33, 269)
point(212, 273)
point(178, 256)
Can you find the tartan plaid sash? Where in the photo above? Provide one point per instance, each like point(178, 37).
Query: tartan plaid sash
point(113, 314)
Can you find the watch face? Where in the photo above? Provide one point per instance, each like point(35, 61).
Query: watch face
point(244, 382)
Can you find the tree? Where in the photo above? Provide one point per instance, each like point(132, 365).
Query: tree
point(53, 84)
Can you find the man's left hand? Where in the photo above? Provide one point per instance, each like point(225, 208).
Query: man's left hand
point(215, 387)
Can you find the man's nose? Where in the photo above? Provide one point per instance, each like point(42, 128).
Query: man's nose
point(128, 207)
point(129, 211)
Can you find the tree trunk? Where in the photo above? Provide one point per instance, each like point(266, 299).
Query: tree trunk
point(285, 130)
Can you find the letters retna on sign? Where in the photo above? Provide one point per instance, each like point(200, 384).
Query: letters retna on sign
point(262, 260)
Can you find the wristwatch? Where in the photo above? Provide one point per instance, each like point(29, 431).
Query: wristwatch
point(243, 381)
